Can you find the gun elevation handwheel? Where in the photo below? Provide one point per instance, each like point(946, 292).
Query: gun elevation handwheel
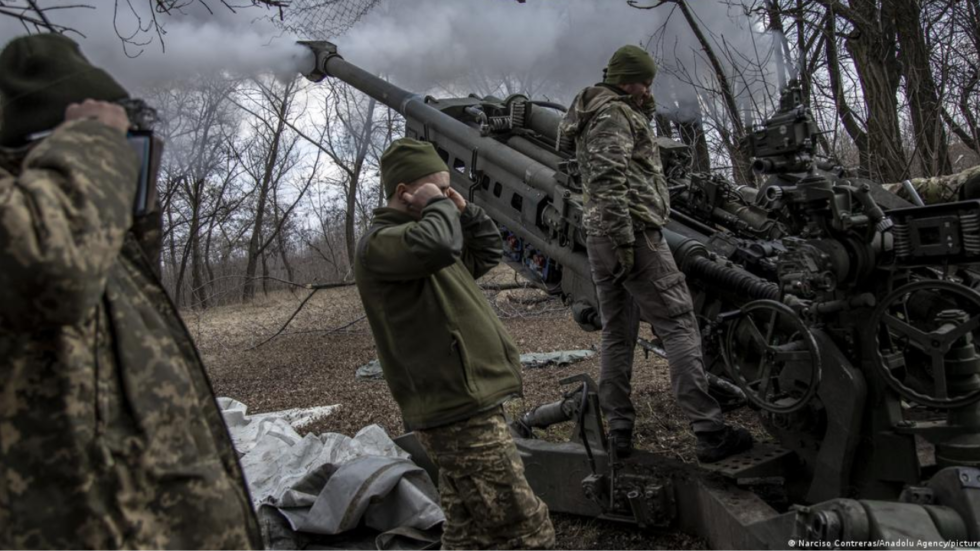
point(772, 356)
point(926, 334)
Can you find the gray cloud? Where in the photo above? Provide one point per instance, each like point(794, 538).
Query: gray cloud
point(563, 45)
point(554, 48)
point(195, 40)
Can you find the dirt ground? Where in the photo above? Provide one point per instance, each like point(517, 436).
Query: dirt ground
point(313, 362)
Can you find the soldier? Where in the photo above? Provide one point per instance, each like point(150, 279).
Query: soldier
point(110, 436)
point(943, 189)
point(626, 205)
point(447, 358)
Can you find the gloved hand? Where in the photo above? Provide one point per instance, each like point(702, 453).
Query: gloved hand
point(649, 106)
point(624, 263)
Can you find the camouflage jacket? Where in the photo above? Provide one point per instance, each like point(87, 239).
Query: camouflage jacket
point(110, 436)
point(444, 352)
point(624, 187)
point(941, 189)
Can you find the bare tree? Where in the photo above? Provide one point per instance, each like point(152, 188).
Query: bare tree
point(37, 17)
point(348, 130)
point(268, 161)
point(727, 97)
point(931, 143)
point(197, 172)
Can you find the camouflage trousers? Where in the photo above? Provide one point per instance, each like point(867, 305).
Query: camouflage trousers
point(655, 291)
point(487, 501)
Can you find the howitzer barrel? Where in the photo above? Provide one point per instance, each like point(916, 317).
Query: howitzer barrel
point(413, 106)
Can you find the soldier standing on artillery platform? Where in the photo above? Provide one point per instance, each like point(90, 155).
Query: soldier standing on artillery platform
point(110, 436)
point(447, 358)
point(626, 204)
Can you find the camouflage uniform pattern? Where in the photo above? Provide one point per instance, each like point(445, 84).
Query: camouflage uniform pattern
point(938, 189)
point(625, 191)
point(109, 433)
point(487, 501)
point(627, 202)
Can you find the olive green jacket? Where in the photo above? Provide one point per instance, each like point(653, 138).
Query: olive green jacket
point(445, 354)
point(110, 437)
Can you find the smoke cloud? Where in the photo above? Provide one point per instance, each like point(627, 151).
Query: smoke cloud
point(194, 40)
point(548, 49)
point(557, 48)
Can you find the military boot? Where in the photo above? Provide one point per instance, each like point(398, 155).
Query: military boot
point(718, 444)
point(621, 442)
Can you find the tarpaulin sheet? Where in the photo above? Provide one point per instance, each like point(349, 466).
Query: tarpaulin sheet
point(330, 483)
point(372, 369)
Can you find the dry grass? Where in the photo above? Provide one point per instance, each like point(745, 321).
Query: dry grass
point(311, 365)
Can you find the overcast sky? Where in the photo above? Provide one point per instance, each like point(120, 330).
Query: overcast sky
point(419, 44)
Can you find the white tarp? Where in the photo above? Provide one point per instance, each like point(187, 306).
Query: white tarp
point(328, 483)
point(561, 358)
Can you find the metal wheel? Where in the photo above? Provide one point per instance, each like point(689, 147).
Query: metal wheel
point(925, 318)
point(772, 356)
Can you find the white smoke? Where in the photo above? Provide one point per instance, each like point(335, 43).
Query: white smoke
point(193, 40)
point(542, 47)
point(560, 47)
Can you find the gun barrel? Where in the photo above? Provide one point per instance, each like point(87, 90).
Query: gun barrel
point(413, 106)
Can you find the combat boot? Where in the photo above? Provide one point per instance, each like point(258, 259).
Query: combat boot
point(621, 442)
point(718, 444)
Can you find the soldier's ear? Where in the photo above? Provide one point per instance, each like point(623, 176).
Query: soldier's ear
point(400, 189)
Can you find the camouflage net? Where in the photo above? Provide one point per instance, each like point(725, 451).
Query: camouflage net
point(323, 19)
point(313, 19)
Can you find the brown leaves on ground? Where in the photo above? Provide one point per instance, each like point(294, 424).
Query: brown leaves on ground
point(313, 364)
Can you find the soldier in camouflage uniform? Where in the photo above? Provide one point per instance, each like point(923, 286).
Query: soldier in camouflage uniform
point(447, 358)
point(626, 204)
point(110, 436)
point(943, 189)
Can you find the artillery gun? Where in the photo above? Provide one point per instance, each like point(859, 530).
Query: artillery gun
point(845, 316)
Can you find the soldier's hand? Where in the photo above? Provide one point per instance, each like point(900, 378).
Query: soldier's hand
point(624, 263)
point(457, 199)
point(418, 199)
point(107, 113)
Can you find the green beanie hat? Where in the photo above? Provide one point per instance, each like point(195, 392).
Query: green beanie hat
point(630, 64)
point(407, 160)
point(40, 76)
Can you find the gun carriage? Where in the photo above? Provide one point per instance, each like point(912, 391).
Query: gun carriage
point(845, 316)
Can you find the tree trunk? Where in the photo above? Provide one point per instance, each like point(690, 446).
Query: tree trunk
point(173, 253)
point(350, 216)
point(775, 16)
point(199, 296)
point(265, 273)
point(931, 142)
point(872, 48)
point(844, 111)
point(255, 242)
point(741, 159)
point(802, 51)
point(285, 260)
point(207, 255)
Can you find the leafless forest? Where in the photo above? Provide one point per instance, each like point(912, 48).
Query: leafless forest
point(269, 181)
